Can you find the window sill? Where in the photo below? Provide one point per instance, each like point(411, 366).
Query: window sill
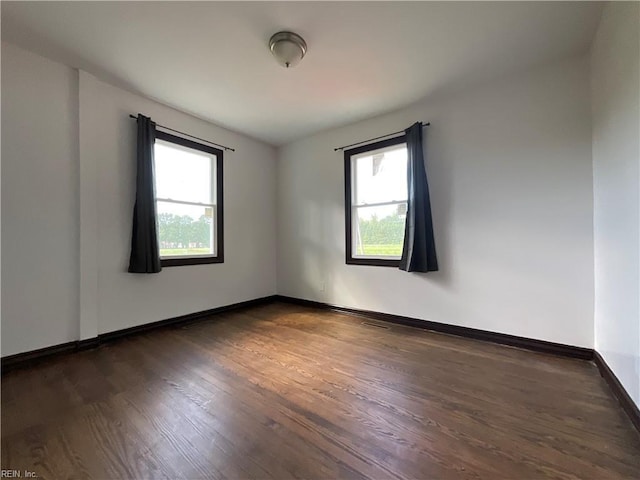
point(179, 262)
point(373, 262)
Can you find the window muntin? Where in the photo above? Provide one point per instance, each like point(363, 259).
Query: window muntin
point(376, 206)
point(188, 182)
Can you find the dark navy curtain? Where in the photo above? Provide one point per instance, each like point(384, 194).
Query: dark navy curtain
point(145, 254)
point(419, 249)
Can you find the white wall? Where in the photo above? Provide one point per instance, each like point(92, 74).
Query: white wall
point(39, 202)
point(68, 152)
point(248, 271)
point(616, 172)
point(510, 173)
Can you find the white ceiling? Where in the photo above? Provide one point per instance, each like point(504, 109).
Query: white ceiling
point(364, 58)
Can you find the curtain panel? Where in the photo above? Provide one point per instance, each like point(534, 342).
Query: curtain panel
point(145, 252)
point(419, 249)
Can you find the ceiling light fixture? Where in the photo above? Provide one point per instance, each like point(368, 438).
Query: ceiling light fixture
point(288, 48)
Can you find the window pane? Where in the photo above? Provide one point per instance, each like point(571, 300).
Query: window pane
point(380, 176)
point(182, 174)
point(379, 231)
point(185, 230)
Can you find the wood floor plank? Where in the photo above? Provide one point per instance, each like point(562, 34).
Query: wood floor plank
point(377, 425)
point(282, 391)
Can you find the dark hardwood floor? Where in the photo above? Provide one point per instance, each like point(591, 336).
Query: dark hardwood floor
point(282, 391)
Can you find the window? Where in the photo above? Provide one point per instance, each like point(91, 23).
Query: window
point(376, 202)
point(188, 178)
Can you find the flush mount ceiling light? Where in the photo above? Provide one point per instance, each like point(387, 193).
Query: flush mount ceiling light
point(288, 48)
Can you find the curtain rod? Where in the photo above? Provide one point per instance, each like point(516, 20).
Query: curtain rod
point(187, 135)
point(426, 124)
